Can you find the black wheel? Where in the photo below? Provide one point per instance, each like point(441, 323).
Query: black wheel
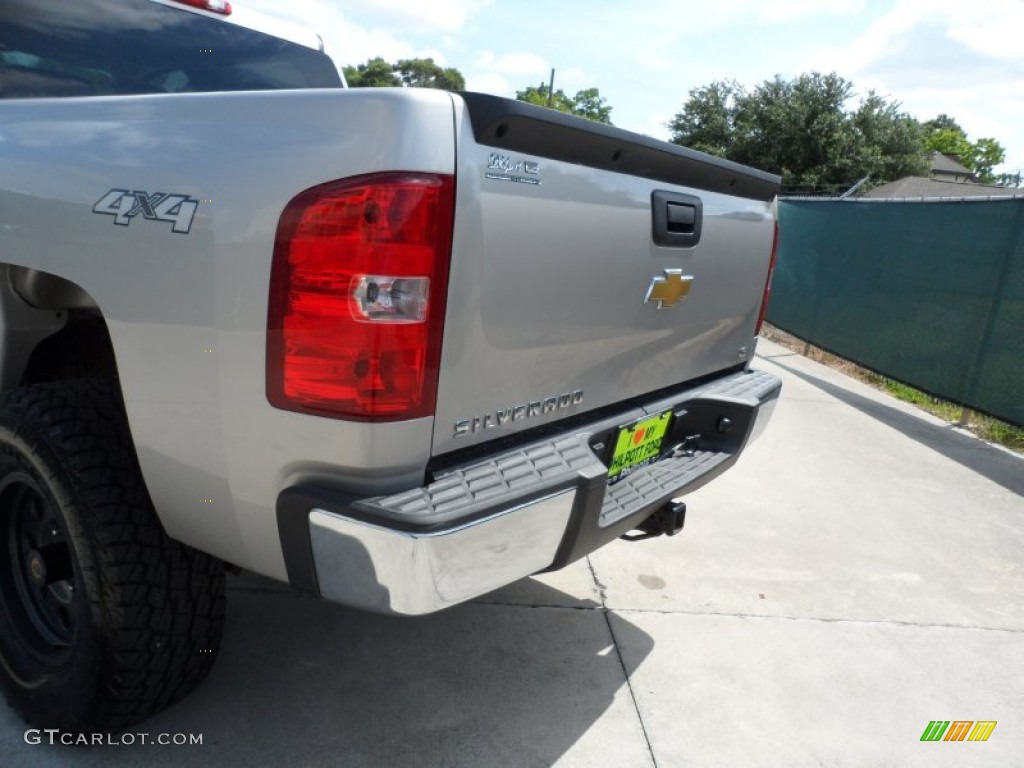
point(104, 620)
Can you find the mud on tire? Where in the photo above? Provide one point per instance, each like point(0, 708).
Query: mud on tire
point(104, 620)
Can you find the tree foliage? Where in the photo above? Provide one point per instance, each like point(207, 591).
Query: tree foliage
point(414, 73)
point(708, 120)
point(375, 73)
point(588, 103)
point(802, 129)
point(889, 141)
point(424, 73)
point(1012, 180)
point(944, 135)
point(943, 122)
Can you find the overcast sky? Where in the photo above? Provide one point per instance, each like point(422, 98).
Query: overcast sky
point(962, 58)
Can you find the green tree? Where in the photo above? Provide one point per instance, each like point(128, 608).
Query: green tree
point(988, 153)
point(424, 73)
point(707, 121)
point(1012, 180)
point(375, 73)
point(415, 73)
point(952, 142)
point(539, 95)
point(890, 140)
point(588, 103)
point(799, 128)
point(943, 122)
point(981, 157)
point(802, 129)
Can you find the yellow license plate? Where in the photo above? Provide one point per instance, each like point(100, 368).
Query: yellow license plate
point(638, 445)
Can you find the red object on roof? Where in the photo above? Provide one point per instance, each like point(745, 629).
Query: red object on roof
point(217, 6)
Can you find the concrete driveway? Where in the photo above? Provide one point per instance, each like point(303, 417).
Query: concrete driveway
point(857, 575)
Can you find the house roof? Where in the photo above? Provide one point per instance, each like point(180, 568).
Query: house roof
point(917, 186)
point(948, 164)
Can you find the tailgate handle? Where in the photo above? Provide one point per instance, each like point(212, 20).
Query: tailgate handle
point(676, 219)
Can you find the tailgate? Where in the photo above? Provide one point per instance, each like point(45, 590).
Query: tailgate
point(589, 266)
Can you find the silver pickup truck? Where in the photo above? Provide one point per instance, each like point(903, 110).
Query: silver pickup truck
point(394, 347)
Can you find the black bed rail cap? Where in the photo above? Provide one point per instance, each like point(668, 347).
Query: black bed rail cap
point(517, 126)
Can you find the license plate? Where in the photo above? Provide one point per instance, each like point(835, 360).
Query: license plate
point(638, 445)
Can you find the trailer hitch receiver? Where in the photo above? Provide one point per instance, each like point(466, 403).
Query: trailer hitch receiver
point(667, 520)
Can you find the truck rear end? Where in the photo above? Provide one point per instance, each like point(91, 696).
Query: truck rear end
point(396, 347)
point(589, 334)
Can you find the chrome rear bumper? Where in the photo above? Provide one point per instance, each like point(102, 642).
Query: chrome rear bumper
point(411, 573)
point(489, 522)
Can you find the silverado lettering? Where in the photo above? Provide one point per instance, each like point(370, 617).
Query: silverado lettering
point(517, 413)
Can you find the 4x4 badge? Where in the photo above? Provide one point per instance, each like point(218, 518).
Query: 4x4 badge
point(159, 206)
point(669, 289)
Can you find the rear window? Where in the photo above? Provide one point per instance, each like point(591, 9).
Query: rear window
point(111, 47)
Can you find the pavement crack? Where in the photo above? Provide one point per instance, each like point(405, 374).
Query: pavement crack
point(622, 662)
point(549, 606)
point(601, 588)
point(823, 619)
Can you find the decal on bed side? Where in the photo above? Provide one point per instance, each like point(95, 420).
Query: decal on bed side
point(124, 205)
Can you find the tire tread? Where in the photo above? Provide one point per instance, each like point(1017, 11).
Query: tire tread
point(160, 603)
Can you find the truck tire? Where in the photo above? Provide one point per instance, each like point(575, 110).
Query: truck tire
point(104, 619)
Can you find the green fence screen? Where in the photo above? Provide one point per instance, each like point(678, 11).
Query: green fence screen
point(927, 293)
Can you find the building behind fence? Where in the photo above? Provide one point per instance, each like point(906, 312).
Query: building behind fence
point(930, 293)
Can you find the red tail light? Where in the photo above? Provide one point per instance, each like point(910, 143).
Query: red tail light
point(357, 297)
point(217, 6)
point(768, 283)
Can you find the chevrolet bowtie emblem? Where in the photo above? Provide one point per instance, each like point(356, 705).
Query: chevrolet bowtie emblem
point(669, 289)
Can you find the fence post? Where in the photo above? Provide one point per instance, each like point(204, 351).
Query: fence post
point(965, 417)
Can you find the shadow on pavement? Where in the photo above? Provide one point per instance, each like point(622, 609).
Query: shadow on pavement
point(977, 455)
point(301, 681)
